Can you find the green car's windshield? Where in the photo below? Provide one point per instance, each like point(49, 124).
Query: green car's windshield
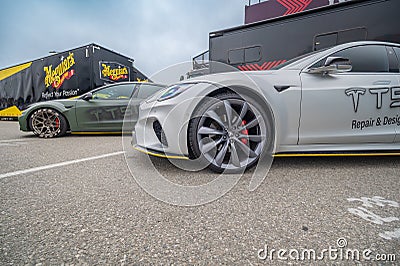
point(115, 92)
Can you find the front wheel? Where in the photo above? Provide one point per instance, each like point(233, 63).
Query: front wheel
point(230, 133)
point(48, 123)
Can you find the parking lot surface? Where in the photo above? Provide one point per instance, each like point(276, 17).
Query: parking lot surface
point(73, 200)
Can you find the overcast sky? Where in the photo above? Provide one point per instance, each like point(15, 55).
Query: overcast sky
point(156, 33)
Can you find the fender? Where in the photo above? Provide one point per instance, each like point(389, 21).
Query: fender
point(66, 110)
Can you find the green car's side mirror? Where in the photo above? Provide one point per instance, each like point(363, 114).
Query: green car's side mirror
point(87, 96)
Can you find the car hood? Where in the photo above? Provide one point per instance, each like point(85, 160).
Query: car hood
point(266, 78)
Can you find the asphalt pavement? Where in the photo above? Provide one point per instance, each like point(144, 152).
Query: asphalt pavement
point(73, 200)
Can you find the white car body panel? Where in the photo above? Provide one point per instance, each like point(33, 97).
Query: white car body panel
point(313, 115)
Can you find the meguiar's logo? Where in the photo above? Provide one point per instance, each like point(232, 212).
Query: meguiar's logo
point(112, 71)
point(56, 77)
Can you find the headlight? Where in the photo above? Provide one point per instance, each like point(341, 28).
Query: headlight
point(174, 91)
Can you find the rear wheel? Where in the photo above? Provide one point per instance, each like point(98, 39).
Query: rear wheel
point(229, 133)
point(48, 123)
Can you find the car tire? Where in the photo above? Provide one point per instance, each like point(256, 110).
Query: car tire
point(229, 133)
point(48, 123)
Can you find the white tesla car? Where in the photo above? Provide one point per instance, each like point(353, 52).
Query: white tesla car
point(343, 99)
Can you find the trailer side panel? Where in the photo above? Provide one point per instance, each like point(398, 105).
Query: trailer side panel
point(261, 46)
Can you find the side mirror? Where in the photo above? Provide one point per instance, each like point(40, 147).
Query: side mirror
point(332, 65)
point(88, 96)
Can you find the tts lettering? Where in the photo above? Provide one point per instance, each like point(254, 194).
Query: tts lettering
point(104, 114)
point(357, 93)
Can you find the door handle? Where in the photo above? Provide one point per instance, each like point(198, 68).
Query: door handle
point(382, 82)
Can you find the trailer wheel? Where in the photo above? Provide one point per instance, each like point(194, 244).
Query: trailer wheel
point(48, 123)
point(230, 133)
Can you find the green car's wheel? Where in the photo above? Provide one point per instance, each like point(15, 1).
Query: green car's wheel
point(48, 123)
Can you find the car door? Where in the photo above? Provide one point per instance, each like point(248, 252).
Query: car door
point(397, 96)
point(351, 107)
point(106, 109)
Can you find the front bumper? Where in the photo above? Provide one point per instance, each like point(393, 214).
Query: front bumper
point(23, 122)
point(159, 154)
point(162, 127)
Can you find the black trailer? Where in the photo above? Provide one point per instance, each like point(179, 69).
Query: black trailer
point(62, 75)
point(265, 44)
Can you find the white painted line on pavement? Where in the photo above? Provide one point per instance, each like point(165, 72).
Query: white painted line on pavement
point(12, 140)
point(45, 167)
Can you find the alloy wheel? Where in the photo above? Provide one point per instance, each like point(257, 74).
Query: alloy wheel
point(46, 123)
point(231, 134)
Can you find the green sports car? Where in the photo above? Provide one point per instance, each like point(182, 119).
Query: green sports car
point(100, 111)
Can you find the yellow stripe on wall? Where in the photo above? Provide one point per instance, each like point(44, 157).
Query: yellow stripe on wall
point(5, 73)
point(12, 111)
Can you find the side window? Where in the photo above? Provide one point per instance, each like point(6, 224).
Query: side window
point(117, 92)
point(393, 62)
point(146, 90)
point(397, 52)
point(324, 41)
point(368, 58)
point(351, 35)
point(236, 56)
point(327, 40)
point(252, 54)
point(244, 55)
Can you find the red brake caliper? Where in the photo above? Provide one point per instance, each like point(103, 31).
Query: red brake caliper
point(244, 132)
point(57, 122)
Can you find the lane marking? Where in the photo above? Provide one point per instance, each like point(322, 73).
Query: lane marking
point(371, 217)
point(12, 144)
point(45, 167)
point(12, 140)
